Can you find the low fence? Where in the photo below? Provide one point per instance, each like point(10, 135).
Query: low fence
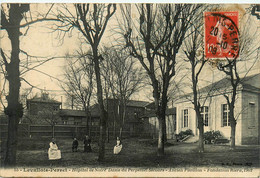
point(64, 131)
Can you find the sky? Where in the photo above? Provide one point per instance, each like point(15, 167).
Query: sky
point(40, 41)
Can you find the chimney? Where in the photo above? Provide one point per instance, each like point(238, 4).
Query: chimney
point(45, 96)
point(61, 102)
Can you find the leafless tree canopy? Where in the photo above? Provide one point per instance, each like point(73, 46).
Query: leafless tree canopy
point(155, 40)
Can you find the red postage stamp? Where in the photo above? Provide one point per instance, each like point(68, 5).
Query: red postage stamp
point(221, 35)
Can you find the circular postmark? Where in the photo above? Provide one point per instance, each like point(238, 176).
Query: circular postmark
point(221, 36)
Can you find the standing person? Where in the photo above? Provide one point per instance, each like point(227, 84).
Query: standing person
point(75, 144)
point(118, 147)
point(53, 152)
point(87, 146)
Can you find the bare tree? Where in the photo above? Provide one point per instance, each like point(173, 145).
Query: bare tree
point(50, 115)
point(123, 77)
point(160, 32)
point(14, 17)
point(25, 94)
point(78, 82)
point(91, 20)
point(233, 67)
point(11, 23)
point(194, 52)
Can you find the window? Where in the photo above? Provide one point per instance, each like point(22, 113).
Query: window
point(33, 109)
point(225, 115)
point(77, 121)
point(252, 115)
point(185, 118)
point(204, 111)
point(95, 123)
point(55, 108)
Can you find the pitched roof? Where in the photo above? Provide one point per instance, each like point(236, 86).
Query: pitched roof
point(41, 100)
point(94, 110)
point(131, 103)
point(151, 113)
point(249, 82)
point(150, 105)
point(71, 112)
point(135, 103)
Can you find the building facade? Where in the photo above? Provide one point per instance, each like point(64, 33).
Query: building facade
point(42, 110)
point(151, 123)
point(126, 118)
point(215, 111)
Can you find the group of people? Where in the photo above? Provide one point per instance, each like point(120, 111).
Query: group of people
point(54, 153)
point(86, 144)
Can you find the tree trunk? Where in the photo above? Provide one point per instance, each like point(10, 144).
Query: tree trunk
point(120, 131)
point(107, 134)
point(114, 127)
point(164, 129)
point(160, 108)
point(122, 116)
point(14, 109)
point(201, 128)
point(89, 131)
point(87, 113)
point(115, 118)
point(201, 134)
point(233, 122)
point(53, 131)
point(163, 115)
point(160, 151)
point(233, 134)
point(103, 115)
point(102, 137)
point(10, 157)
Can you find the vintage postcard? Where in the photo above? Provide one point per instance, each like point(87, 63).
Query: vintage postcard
point(129, 89)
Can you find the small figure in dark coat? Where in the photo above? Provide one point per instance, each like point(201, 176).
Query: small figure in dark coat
point(75, 144)
point(87, 146)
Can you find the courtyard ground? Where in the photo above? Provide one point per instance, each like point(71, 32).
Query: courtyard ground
point(136, 153)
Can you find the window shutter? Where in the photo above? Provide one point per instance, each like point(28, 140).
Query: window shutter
point(182, 118)
point(209, 117)
point(222, 115)
point(188, 118)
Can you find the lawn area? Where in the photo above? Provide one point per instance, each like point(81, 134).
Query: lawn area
point(136, 153)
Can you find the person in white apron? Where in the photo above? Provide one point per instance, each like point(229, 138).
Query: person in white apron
point(53, 152)
point(118, 147)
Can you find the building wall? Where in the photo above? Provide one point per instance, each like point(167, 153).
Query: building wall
point(132, 123)
point(73, 120)
point(250, 122)
point(38, 112)
point(35, 107)
point(191, 117)
point(170, 126)
point(215, 117)
point(152, 127)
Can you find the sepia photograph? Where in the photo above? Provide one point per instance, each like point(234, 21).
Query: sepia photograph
point(144, 89)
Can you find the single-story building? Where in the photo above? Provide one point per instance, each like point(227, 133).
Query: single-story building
point(215, 110)
point(73, 117)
